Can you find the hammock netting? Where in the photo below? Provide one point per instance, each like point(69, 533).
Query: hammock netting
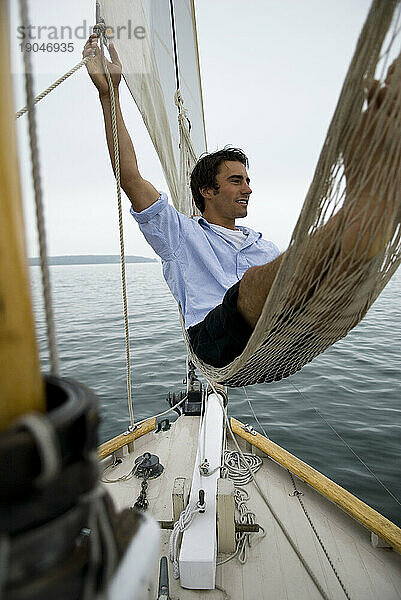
point(346, 244)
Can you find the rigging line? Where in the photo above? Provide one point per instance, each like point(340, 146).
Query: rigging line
point(269, 506)
point(177, 76)
point(161, 414)
point(319, 539)
point(306, 513)
point(254, 414)
point(121, 230)
point(348, 446)
point(128, 475)
point(40, 221)
point(54, 85)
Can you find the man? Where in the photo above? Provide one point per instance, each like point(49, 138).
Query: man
point(220, 274)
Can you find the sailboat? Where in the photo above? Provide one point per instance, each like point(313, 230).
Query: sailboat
point(238, 516)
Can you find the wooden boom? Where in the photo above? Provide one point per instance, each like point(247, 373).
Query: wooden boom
point(21, 382)
point(360, 511)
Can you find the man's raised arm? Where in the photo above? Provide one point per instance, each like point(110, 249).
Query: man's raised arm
point(140, 192)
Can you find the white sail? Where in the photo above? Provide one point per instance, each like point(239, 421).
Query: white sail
point(157, 44)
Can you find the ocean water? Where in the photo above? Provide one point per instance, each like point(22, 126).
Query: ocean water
point(346, 402)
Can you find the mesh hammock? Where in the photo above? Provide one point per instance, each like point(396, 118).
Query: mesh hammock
point(323, 287)
point(346, 243)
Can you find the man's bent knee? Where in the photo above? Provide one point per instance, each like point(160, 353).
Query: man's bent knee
point(253, 290)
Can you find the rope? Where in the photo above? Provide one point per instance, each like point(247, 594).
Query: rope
point(241, 465)
point(120, 225)
point(298, 495)
point(53, 86)
point(187, 157)
point(383, 485)
point(226, 595)
point(129, 475)
point(125, 477)
point(181, 525)
point(40, 222)
point(238, 472)
point(254, 413)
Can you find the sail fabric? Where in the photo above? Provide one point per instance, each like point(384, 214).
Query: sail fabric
point(324, 288)
point(157, 45)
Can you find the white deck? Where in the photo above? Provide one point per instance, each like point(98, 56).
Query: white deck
point(272, 571)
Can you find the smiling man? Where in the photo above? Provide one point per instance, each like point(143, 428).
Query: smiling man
point(205, 258)
point(220, 188)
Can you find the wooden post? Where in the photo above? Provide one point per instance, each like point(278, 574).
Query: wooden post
point(226, 541)
point(178, 497)
point(21, 387)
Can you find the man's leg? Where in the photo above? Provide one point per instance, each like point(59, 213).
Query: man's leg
point(254, 289)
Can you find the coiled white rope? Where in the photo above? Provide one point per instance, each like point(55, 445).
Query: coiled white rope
point(236, 469)
point(240, 466)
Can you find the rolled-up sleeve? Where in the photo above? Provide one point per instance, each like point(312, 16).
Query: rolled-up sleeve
point(161, 224)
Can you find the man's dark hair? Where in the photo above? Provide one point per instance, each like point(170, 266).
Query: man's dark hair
point(206, 169)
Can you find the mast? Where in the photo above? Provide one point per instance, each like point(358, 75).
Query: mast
point(21, 383)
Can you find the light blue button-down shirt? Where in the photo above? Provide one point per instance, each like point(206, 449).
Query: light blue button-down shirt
point(199, 264)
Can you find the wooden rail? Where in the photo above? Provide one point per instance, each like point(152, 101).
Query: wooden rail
point(123, 439)
point(360, 511)
point(21, 383)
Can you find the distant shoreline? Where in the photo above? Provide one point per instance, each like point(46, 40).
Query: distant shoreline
point(90, 259)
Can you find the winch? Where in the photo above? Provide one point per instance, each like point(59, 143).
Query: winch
point(148, 466)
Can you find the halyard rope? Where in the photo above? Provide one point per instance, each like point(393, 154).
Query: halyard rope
point(39, 206)
point(346, 444)
point(40, 223)
point(319, 539)
point(120, 224)
point(53, 86)
point(298, 496)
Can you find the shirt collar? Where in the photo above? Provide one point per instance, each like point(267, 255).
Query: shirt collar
point(252, 235)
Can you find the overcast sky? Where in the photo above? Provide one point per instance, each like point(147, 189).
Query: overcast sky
point(271, 71)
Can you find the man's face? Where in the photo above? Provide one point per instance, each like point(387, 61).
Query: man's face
point(230, 202)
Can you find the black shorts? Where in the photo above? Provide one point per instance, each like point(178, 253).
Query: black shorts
point(223, 333)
